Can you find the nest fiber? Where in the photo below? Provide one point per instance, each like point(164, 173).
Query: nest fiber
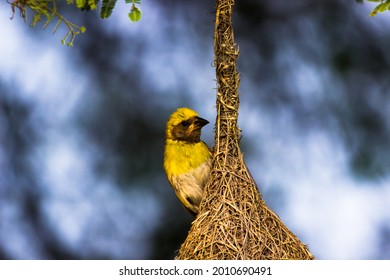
point(234, 222)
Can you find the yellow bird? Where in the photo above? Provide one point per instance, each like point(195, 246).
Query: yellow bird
point(187, 159)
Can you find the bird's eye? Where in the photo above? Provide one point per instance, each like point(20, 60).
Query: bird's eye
point(185, 123)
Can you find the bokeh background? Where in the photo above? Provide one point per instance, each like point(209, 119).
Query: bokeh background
point(82, 128)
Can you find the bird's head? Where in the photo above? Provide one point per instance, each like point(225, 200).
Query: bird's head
point(185, 125)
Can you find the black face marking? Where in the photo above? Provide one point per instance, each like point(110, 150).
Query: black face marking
point(189, 130)
point(185, 123)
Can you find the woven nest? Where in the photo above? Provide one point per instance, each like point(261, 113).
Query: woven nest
point(234, 222)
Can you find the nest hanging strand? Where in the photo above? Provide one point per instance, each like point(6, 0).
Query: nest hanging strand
point(234, 222)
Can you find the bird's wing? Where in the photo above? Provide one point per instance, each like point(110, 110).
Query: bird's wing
point(188, 190)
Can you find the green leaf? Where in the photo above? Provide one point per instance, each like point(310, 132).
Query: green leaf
point(135, 14)
point(107, 7)
point(382, 7)
point(36, 19)
point(92, 4)
point(374, 12)
point(133, 1)
point(81, 3)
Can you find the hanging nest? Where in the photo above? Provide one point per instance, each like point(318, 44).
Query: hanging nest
point(234, 222)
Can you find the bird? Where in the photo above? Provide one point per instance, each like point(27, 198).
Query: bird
point(187, 159)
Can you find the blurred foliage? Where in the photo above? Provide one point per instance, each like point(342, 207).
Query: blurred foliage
point(21, 180)
point(350, 95)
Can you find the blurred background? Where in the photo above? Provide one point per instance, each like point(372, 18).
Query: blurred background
point(82, 128)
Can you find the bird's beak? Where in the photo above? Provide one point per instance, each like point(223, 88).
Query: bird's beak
point(200, 122)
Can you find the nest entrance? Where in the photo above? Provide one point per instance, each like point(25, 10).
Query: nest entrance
point(234, 222)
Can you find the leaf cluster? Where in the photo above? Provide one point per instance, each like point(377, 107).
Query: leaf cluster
point(108, 6)
point(47, 10)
